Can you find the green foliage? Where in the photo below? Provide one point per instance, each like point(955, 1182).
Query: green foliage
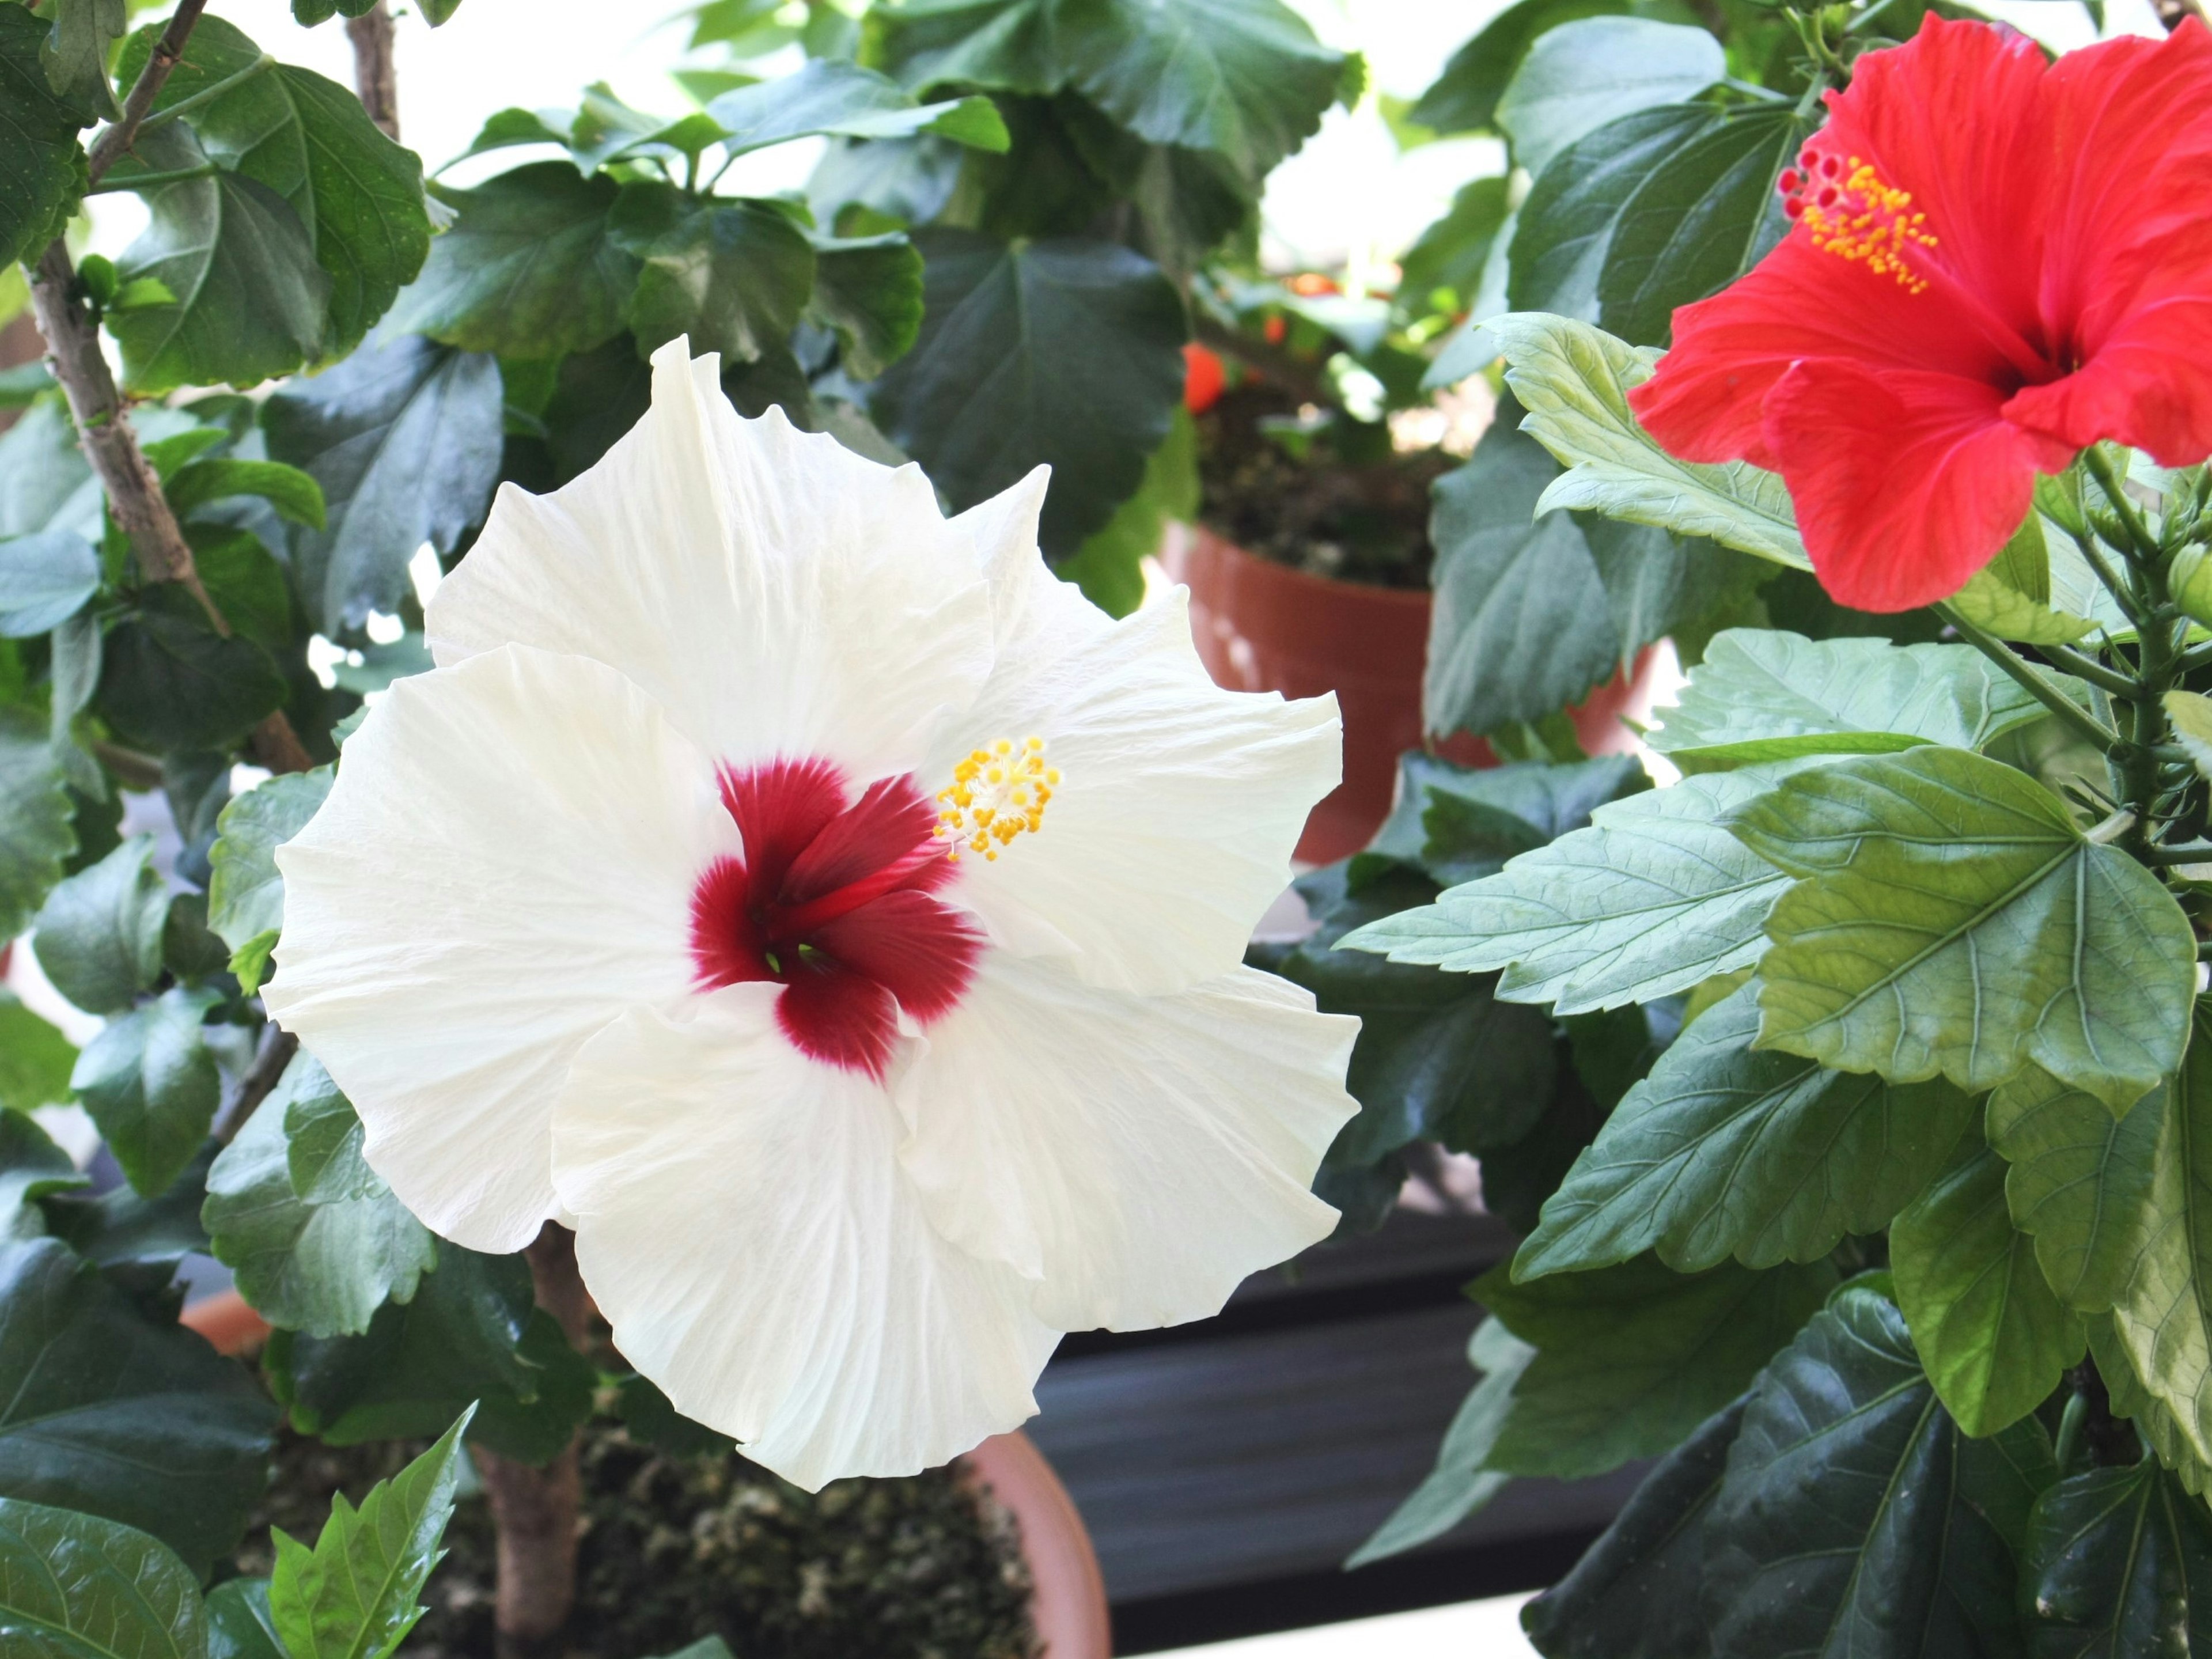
point(868, 291)
point(294, 494)
point(353, 1597)
point(733, 276)
point(1108, 566)
point(239, 1626)
point(45, 580)
point(76, 1586)
point(1465, 96)
point(2079, 1181)
point(140, 1423)
point(45, 175)
point(2119, 1561)
point(245, 893)
point(35, 837)
point(31, 1168)
point(99, 937)
point(1582, 74)
point(1949, 917)
point(831, 98)
point(169, 682)
point(152, 1085)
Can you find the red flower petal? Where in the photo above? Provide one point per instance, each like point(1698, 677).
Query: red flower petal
point(780, 808)
point(891, 818)
point(922, 952)
point(839, 1016)
point(1905, 483)
point(726, 949)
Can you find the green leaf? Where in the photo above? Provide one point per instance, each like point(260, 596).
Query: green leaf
point(2119, 1566)
point(1993, 1338)
point(1855, 1516)
point(46, 482)
point(1063, 352)
point(830, 97)
point(252, 301)
point(653, 1421)
point(1634, 1593)
point(1574, 379)
point(31, 1168)
point(527, 268)
point(1579, 75)
point(353, 1597)
point(144, 1423)
point(99, 937)
point(868, 289)
point(295, 495)
point(1464, 96)
point(74, 54)
point(1950, 918)
point(1458, 1485)
point(77, 1587)
point(141, 1242)
point(35, 836)
point(358, 193)
point(1108, 565)
point(2192, 715)
point(239, 1626)
point(169, 682)
point(1631, 1359)
point(2011, 596)
point(34, 1059)
point(151, 1083)
point(316, 1240)
point(45, 580)
point(2160, 1428)
point(732, 274)
point(1728, 1150)
point(2080, 1181)
point(245, 896)
point(39, 191)
point(404, 437)
point(1455, 823)
point(1656, 896)
point(1451, 252)
point(1763, 694)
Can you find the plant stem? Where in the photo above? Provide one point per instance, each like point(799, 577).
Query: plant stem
point(112, 144)
point(278, 1047)
point(146, 180)
point(373, 75)
point(2083, 666)
point(535, 1510)
point(207, 95)
point(2033, 683)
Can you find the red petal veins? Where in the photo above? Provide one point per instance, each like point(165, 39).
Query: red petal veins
point(726, 946)
point(891, 818)
point(780, 808)
point(923, 951)
point(839, 1016)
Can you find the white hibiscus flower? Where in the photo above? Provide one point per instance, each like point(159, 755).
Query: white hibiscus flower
point(833, 918)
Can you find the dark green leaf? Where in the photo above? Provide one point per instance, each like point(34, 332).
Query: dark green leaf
point(144, 1423)
point(1631, 1359)
point(31, 1168)
point(1855, 1516)
point(404, 437)
point(252, 302)
point(1451, 252)
point(526, 269)
point(1582, 74)
point(151, 1083)
point(647, 1412)
point(1464, 97)
point(45, 580)
point(245, 895)
point(45, 175)
point(869, 291)
point(308, 13)
point(832, 97)
point(1108, 565)
point(2080, 1181)
point(99, 936)
point(141, 1242)
point(35, 818)
point(1634, 1594)
point(1456, 824)
point(1728, 1150)
point(246, 581)
point(169, 682)
point(1063, 352)
point(733, 276)
point(2119, 1566)
point(293, 494)
point(76, 53)
point(238, 1622)
point(353, 1595)
point(77, 1587)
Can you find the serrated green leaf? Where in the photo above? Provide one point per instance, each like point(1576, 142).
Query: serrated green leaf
point(2080, 1181)
point(1060, 352)
point(45, 580)
point(1656, 896)
point(732, 274)
point(526, 269)
point(1991, 1335)
point(77, 1587)
point(99, 937)
point(1630, 1359)
point(169, 682)
point(1458, 1485)
point(868, 289)
point(35, 836)
point(1855, 1516)
point(1573, 380)
point(2011, 596)
point(1464, 96)
point(1764, 694)
point(74, 53)
point(353, 1595)
point(1580, 74)
point(1726, 1149)
point(316, 1240)
point(152, 1085)
point(46, 175)
point(31, 1168)
point(405, 438)
point(2161, 1429)
point(1950, 918)
point(831, 97)
point(2119, 1566)
point(103, 1411)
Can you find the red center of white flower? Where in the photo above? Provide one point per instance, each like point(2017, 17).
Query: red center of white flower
point(832, 901)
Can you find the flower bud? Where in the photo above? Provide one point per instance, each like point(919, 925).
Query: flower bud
point(2190, 577)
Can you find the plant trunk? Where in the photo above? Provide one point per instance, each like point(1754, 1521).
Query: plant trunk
point(373, 78)
point(536, 1510)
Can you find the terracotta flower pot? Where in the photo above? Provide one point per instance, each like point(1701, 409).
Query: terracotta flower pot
point(1262, 627)
point(1069, 1603)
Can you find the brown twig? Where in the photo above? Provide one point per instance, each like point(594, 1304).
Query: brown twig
point(373, 73)
point(115, 142)
point(278, 1047)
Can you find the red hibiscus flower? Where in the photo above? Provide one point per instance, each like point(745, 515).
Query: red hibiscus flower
point(1996, 262)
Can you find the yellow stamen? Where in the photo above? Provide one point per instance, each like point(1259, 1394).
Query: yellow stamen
point(1869, 223)
point(998, 793)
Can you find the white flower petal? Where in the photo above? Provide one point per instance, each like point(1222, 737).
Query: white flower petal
point(743, 1220)
point(1136, 1157)
point(505, 864)
point(774, 592)
point(1172, 831)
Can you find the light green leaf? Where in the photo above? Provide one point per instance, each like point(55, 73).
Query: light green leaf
point(1631, 1359)
point(1728, 1150)
point(1993, 1338)
point(2080, 1181)
point(35, 836)
point(1464, 96)
point(316, 1240)
point(353, 1595)
point(40, 188)
point(1458, 1485)
point(1582, 74)
point(76, 1586)
point(104, 1411)
point(1764, 694)
point(99, 936)
point(45, 580)
point(34, 1059)
point(2192, 715)
point(732, 274)
point(836, 97)
point(74, 53)
point(295, 495)
point(2119, 1566)
point(2011, 596)
point(2160, 1428)
point(151, 1083)
point(1108, 565)
point(1574, 379)
point(1950, 918)
point(1656, 896)
point(245, 895)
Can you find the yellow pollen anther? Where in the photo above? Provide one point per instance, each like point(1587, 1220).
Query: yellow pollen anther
point(1865, 221)
point(997, 794)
